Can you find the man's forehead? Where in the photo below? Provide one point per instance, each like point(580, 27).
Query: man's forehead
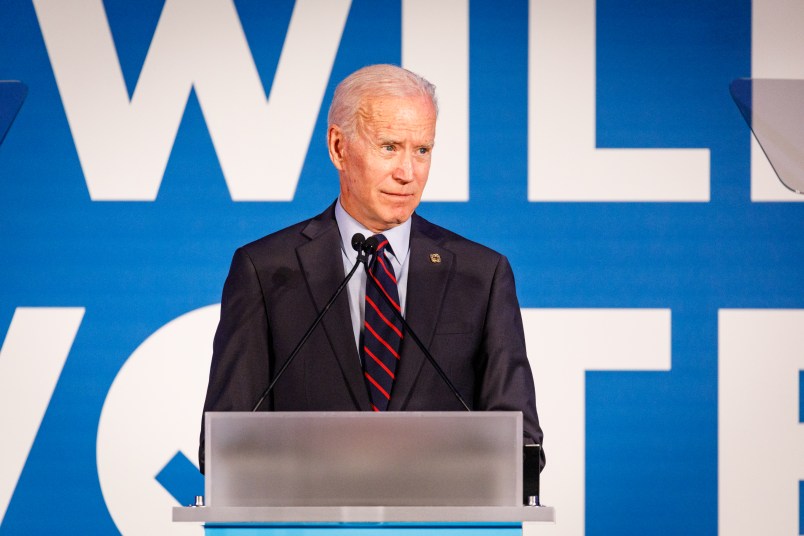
point(382, 105)
point(384, 115)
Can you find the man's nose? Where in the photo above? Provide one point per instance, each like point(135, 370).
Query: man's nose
point(404, 168)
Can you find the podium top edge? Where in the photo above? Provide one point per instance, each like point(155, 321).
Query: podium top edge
point(365, 514)
point(364, 414)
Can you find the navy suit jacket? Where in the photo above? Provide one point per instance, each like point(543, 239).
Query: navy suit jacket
point(463, 308)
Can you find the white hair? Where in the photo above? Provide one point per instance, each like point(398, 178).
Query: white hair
point(381, 80)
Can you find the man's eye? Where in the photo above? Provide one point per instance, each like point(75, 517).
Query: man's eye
point(388, 148)
point(424, 150)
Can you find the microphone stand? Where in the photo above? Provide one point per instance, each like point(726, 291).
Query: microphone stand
point(358, 243)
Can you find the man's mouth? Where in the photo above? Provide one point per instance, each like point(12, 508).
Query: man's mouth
point(398, 194)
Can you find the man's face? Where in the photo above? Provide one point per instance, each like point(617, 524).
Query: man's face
point(384, 165)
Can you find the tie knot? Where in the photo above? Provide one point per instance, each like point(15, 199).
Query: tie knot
point(383, 244)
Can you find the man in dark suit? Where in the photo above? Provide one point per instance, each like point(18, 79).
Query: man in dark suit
point(458, 296)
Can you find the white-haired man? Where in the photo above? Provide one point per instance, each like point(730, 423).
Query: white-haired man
point(457, 296)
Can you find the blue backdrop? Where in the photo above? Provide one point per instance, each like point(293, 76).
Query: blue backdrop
point(663, 69)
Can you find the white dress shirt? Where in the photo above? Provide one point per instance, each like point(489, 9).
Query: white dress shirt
point(399, 239)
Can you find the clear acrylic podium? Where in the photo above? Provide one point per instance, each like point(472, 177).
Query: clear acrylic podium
point(337, 473)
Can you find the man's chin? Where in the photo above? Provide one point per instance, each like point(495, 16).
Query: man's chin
point(396, 218)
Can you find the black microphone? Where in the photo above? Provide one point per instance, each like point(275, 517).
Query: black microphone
point(371, 243)
point(369, 248)
point(359, 244)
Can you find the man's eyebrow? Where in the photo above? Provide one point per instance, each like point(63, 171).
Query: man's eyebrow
point(391, 141)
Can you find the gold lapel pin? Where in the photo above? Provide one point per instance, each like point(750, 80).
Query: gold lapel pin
point(435, 258)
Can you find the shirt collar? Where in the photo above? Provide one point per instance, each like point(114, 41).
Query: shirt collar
point(398, 237)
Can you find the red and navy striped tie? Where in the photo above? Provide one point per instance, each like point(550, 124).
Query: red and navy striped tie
point(382, 330)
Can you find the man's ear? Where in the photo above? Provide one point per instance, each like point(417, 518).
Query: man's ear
point(336, 143)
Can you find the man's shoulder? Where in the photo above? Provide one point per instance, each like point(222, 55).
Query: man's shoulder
point(279, 249)
point(296, 234)
point(452, 241)
point(288, 236)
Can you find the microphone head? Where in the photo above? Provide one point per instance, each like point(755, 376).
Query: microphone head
point(370, 245)
point(357, 241)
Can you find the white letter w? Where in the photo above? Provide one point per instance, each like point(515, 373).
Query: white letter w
point(124, 145)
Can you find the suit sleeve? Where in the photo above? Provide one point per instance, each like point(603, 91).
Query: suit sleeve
point(507, 380)
point(241, 350)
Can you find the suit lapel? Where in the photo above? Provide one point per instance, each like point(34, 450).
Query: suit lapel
point(320, 259)
point(427, 284)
